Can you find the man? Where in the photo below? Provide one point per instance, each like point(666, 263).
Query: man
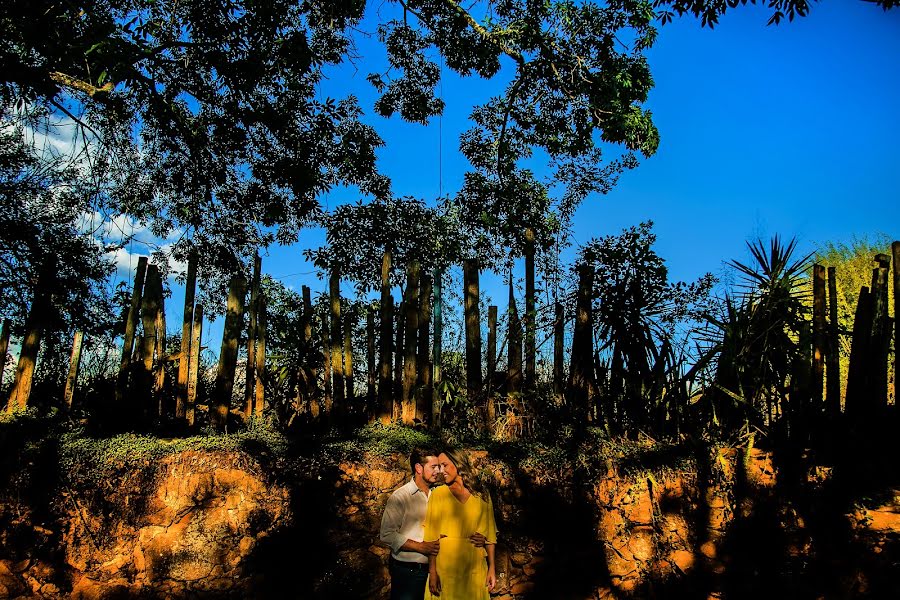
point(403, 527)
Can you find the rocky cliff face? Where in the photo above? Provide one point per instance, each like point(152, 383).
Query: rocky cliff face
point(199, 524)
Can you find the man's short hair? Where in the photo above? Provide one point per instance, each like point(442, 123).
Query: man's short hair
point(418, 456)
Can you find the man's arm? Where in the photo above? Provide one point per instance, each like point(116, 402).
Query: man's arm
point(391, 521)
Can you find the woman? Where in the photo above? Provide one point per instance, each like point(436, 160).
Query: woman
point(456, 511)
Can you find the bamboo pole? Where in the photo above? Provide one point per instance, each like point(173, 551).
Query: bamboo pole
point(130, 328)
point(833, 356)
point(514, 366)
point(491, 353)
point(385, 344)
point(398, 362)
point(74, 362)
point(194, 365)
point(234, 321)
point(159, 375)
point(259, 404)
point(819, 338)
point(250, 369)
point(187, 323)
point(473, 329)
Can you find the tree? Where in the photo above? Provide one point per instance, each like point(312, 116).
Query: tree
point(638, 312)
point(709, 11)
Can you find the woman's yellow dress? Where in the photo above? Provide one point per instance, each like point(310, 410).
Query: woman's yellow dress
point(461, 566)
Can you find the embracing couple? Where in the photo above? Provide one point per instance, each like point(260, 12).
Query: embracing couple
point(440, 527)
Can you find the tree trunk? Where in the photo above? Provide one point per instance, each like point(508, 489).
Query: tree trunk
point(190, 290)
point(473, 329)
point(194, 365)
point(130, 327)
point(410, 368)
point(4, 345)
point(339, 406)
point(424, 381)
point(386, 338)
point(819, 338)
point(530, 312)
point(74, 362)
point(307, 373)
point(250, 370)
point(833, 357)
point(327, 398)
point(234, 322)
point(159, 375)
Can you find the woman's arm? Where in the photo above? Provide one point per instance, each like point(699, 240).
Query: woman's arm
point(434, 580)
point(491, 581)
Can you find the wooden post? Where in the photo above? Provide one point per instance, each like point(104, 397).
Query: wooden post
point(349, 319)
point(250, 369)
point(159, 375)
point(370, 364)
point(398, 361)
point(327, 398)
point(190, 290)
point(410, 368)
point(260, 391)
point(856, 401)
point(339, 406)
point(895, 252)
point(491, 354)
point(149, 322)
point(514, 366)
point(530, 312)
point(234, 322)
point(581, 371)
point(130, 327)
point(819, 338)
point(4, 345)
point(833, 356)
point(194, 365)
point(424, 379)
point(880, 337)
point(436, 353)
point(386, 339)
point(74, 362)
point(558, 348)
point(473, 329)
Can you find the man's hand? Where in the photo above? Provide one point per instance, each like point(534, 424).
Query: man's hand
point(430, 548)
point(478, 540)
point(434, 583)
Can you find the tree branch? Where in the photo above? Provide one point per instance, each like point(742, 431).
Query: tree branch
point(68, 81)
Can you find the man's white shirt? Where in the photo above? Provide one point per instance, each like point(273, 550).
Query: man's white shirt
point(404, 519)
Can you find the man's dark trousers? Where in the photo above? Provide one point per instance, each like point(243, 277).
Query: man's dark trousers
point(408, 580)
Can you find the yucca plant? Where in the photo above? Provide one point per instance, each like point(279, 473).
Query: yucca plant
point(760, 342)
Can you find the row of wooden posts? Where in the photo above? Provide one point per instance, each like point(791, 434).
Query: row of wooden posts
point(402, 383)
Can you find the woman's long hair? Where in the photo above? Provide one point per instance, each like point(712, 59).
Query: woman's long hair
point(471, 480)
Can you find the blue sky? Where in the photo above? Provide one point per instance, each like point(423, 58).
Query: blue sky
point(787, 130)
